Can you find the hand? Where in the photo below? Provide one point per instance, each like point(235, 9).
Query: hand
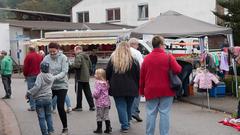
point(26, 97)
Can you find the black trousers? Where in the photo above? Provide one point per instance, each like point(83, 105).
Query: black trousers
point(61, 94)
point(88, 94)
point(6, 80)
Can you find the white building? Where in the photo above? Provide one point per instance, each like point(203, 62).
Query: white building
point(136, 12)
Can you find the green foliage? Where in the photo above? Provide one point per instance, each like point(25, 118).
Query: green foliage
point(232, 17)
point(53, 6)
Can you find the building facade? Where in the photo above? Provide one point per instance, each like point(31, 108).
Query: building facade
point(137, 12)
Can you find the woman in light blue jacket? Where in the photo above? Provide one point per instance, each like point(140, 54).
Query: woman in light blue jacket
point(59, 67)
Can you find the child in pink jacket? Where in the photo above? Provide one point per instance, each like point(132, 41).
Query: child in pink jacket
point(102, 101)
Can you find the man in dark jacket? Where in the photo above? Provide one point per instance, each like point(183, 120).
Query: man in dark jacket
point(82, 64)
point(31, 69)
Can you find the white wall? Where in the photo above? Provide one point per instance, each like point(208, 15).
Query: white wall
point(198, 9)
point(4, 37)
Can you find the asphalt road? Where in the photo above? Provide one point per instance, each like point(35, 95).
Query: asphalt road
point(186, 119)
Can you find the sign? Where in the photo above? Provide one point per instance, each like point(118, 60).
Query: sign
point(22, 37)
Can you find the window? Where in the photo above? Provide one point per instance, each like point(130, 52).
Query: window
point(143, 12)
point(113, 14)
point(83, 17)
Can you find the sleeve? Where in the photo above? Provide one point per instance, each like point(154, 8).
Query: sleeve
point(65, 67)
point(137, 72)
point(176, 68)
point(77, 61)
point(89, 63)
point(97, 91)
point(33, 91)
point(109, 70)
point(196, 79)
point(142, 79)
point(25, 66)
point(3, 66)
point(214, 79)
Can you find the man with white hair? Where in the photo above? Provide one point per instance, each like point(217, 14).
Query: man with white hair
point(133, 42)
point(82, 65)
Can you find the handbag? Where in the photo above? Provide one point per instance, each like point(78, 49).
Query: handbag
point(175, 81)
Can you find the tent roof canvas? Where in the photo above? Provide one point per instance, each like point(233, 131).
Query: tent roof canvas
point(173, 24)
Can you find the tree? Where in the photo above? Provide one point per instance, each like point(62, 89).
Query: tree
point(54, 6)
point(232, 17)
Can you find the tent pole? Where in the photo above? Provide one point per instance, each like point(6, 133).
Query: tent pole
point(230, 41)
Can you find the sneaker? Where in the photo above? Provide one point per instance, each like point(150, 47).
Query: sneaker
point(92, 109)
point(77, 109)
point(65, 131)
point(124, 130)
point(69, 109)
point(6, 97)
point(137, 118)
point(31, 109)
point(51, 133)
point(54, 111)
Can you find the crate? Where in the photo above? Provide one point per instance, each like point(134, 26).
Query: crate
point(218, 91)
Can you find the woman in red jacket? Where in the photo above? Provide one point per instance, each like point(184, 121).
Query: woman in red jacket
point(155, 85)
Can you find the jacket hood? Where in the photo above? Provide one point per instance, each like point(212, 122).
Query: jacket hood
point(84, 55)
point(47, 77)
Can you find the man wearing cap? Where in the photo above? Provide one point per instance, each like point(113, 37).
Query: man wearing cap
point(6, 73)
point(31, 69)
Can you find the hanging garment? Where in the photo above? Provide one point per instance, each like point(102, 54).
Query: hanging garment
point(205, 79)
point(224, 62)
point(215, 58)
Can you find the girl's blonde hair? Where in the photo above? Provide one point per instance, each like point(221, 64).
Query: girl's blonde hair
point(101, 74)
point(122, 58)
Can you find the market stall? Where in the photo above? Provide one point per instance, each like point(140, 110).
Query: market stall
point(173, 25)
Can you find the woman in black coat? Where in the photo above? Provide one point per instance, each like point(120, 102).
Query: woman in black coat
point(123, 76)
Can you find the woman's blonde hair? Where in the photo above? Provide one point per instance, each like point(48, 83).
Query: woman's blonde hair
point(101, 74)
point(122, 58)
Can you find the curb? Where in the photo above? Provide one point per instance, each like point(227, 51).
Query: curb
point(205, 106)
point(8, 122)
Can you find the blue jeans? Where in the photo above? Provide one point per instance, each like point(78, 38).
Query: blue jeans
point(30, 83)
point(163, 106)
point(54, 102)
point(135, 109)
point(43, 108)
point(124, 109)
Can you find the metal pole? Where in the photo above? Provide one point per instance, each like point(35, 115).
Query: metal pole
point(207, 50)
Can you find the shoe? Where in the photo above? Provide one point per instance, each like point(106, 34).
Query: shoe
point(65, 131)
point(124, 130)
point(6, 97)
point(77, 109)
point(51, 133)
point(69, 110)
point(108, 127)
point(99, 128)
point(92, 109)
point(54, 111)
point(31, 109)
point(137, 118)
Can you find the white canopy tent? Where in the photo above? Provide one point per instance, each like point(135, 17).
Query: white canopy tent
point(172, 24)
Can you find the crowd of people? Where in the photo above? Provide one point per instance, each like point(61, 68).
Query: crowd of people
point(126, 78)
